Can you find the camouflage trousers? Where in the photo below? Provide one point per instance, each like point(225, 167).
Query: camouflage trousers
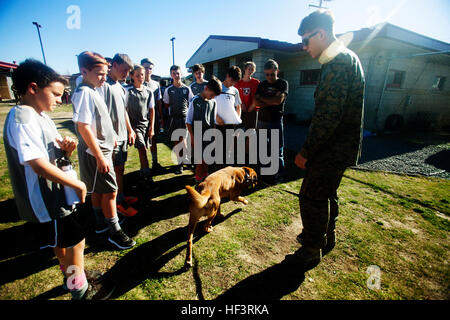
point(319, 208)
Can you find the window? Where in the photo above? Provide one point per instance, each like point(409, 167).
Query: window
point(309, 77)
point(438, 83)
point(395, 79)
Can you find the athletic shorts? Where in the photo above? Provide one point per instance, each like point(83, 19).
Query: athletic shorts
point(142, 139)
point(95, 181)
point(64, 232)
point(177, 123)
point(120, 153)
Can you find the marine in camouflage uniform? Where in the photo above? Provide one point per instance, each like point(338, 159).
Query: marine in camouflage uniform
point(333, 142)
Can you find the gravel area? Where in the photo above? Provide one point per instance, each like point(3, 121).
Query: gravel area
point(424, 154)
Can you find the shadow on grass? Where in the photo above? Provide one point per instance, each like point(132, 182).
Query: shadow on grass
point(145, 261)
point(396, 195)
point(270, 284)
point(8, 211)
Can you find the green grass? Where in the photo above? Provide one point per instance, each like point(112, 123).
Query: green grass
point(398, 223)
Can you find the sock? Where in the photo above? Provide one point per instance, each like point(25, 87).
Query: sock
point(113, 224)
point(78, 285)
point(98, 214)
point(155, 157)
point(120, 197)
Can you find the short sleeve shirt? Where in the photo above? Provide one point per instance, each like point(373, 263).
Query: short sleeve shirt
point(155, 89)
point(247, 91)
point(178, 100)
point(29, 135)
point(138, 104)
point(114, 95)
point(90, 108)
point(226, 105)
point(202, 110)
point(197, 88)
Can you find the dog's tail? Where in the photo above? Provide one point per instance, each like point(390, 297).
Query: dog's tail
point(198, 199)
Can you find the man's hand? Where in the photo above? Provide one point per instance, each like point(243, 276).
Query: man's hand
point(68, 145)
point(102, 164)
point(131, 137)
point(151, 133)
point(300, 161)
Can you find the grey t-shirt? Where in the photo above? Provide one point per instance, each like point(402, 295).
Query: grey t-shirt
point(90, 108)
point(197, 88)
point(178, 100)
point(114, 94)
point(138, 104)
point(155, 89)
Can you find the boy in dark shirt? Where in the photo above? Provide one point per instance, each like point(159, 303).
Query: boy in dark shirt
point(203, 108)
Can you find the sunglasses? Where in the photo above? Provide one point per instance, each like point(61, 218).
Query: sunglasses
point(305, 41)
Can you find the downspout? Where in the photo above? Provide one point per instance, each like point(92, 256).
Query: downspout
point(381, 97)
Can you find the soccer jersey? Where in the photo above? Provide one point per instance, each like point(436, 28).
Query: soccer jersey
point(155, 89)
point(202, 110)
point(178, 100)
point(114, 95)
point(27, 136)
point(138, 104)
point(247, 90)
point(226, 105)
point(197, 88)
point(90, 108)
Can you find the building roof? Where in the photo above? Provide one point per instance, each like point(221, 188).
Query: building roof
point(382, 30)
point(7, 66)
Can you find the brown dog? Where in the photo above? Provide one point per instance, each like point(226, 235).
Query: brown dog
point(205, 201)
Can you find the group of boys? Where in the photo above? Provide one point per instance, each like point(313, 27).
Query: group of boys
point(109, 117)
point(237, 102)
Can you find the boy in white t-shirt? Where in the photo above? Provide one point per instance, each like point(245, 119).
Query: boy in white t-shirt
point(33, 147)
point(229, 107)
point(98, 139)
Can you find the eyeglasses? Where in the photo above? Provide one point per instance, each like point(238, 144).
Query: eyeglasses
point(305, 41)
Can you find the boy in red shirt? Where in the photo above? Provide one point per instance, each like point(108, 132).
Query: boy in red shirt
point(247, 88)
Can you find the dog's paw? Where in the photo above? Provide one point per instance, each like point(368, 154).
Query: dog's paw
point(187, 264)
point(244, 201)
point(208, 229)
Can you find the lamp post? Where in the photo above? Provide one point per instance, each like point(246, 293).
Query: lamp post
point(40, 40)
point(173, 52)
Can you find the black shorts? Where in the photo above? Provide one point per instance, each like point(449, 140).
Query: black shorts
point(63, 233)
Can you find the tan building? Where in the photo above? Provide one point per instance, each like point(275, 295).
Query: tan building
point(407, 74)
point(6, 70)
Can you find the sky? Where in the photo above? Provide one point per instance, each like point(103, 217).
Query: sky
point(144, 28)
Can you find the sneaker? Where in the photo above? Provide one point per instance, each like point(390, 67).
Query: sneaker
point(101, 227)
point(131, 200)
point(121, 240)
point(179, 169)
point(91, 276)
point(99, 290)
point(126, 210)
